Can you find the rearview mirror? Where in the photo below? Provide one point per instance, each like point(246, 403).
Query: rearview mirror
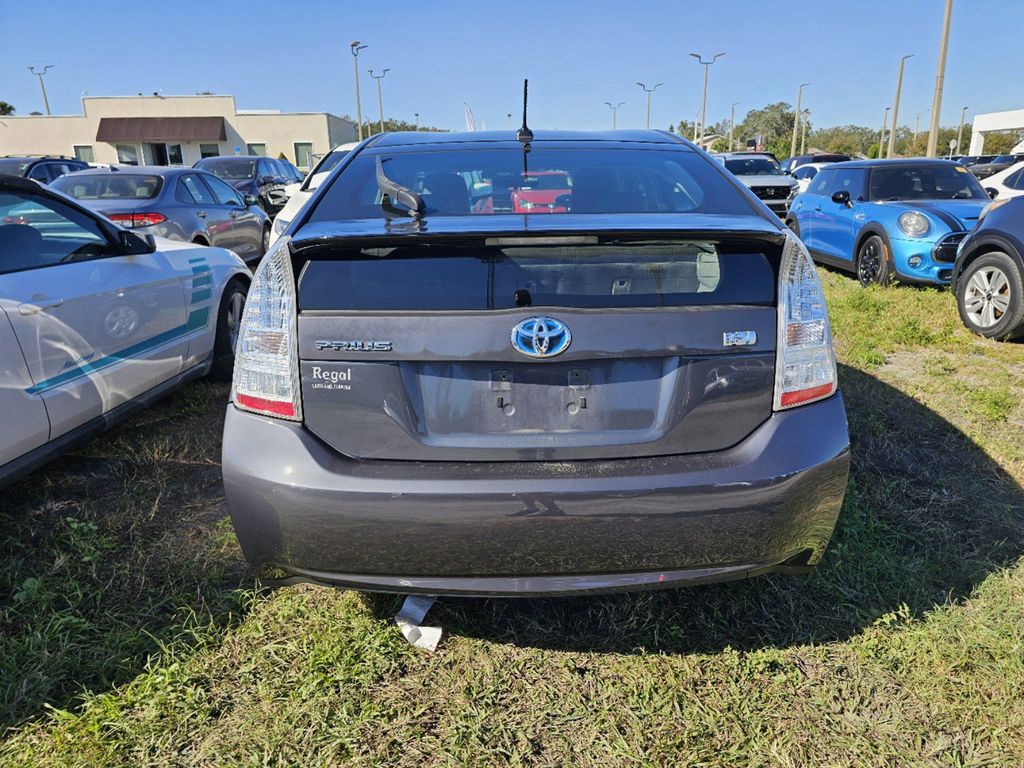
point(842, 197)
point(992, 192)
point(132, 244)
point(250, 199)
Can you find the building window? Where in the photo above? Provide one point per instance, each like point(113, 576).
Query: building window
point(209, 150)
point(174, 156)
point(84, 153)
point(257, 149)
point(304, 154)
point(127, 154)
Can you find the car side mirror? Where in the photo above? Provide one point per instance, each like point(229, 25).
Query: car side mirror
point(842, 197)
point(992, 192)
point(250, 199)
point(133, 244)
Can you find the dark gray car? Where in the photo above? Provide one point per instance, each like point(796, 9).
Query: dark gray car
point(176, 203)
point(452, 398)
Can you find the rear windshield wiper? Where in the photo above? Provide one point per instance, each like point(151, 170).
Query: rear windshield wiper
point(393, 191)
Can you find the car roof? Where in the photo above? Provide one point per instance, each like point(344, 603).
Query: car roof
point(151, 170)
point(423, 138)
point(893, 163)
point(732, 155)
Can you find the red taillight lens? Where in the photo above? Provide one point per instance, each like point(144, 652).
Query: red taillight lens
point(805, 366)
point(266, 377)
point(137, 219)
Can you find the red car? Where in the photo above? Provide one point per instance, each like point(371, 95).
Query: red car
point(543, 192)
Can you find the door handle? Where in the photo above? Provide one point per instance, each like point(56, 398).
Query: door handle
point(201, 214)
point(38, 305)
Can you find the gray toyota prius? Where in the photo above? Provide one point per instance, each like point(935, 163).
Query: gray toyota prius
point(500, 363)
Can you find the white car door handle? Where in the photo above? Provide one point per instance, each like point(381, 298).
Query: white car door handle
point(38, 305)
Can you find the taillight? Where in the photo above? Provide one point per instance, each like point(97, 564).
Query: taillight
point(805, 364)
point(137, 219)
point(266, 378)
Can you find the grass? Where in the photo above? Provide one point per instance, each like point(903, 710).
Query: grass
point(131, 632)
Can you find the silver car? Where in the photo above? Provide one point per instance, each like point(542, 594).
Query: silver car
point(765, 177)
point(634, 388)
point(96, 321)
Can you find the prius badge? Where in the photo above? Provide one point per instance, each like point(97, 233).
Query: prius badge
point(541, 337)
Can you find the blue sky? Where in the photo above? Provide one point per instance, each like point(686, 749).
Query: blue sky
point(294, 56)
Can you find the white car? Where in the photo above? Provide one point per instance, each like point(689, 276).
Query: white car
point(299, 194)
point(1007, 183)
point(805, 173)
point(97, 321)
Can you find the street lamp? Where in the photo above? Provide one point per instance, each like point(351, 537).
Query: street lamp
point(732, 124)
point(896, 106)
point(615, 111)
point(380, 99)
point(649, 91)
point(917, 129)
point(796, 118)
point(356, 48)
point(881, 134)
point(704, 101)
point(417, 114)
point(42, 85)
point(940, 76)
point(960, 132)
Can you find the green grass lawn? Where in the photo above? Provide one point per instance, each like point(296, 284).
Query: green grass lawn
point(131, 632)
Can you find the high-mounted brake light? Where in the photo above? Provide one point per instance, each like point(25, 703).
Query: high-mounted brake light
point(805, 364)
point(266, 376)
point(137, 219)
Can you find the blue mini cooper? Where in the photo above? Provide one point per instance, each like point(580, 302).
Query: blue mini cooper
point(889, 219)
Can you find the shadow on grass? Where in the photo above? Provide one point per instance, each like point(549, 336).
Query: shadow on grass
point(115, 551)
point(926, 517)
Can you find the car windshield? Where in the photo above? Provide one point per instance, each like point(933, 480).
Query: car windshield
point(753, 166)
point(14, 166)
point(925, 182)
point(326, 165)
point(112, 186)
point(492, 181)
point(231, 168)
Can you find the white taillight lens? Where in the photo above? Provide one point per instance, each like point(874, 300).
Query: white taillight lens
point(805, 364)
point(266, 376)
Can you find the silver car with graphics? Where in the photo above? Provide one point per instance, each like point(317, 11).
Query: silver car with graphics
point(634, 388)
point(96, 321)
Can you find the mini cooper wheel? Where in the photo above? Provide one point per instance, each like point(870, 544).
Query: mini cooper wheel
point(873, 262)
point(990, 297)
point(229, 322)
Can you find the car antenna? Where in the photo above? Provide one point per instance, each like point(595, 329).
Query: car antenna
point(524, 134)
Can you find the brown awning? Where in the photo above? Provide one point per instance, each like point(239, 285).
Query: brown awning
point(114, 129)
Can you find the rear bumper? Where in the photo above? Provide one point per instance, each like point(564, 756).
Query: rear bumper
point(527, 528)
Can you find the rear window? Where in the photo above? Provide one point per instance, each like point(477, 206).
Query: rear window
point(614, 275)
point(230, 168)
point(115, 186)
point(491, 181)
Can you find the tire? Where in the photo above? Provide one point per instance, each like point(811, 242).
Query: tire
point(229, 318)
point(265, 242)
point(199, 241)
point(874, 265)
point(990, 297)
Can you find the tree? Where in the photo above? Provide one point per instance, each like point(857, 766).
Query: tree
point(370, 127)
point(773, 123)
point(998, 142)
point(6, 109)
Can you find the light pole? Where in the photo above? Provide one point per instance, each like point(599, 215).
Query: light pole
point(881, 134)
point(509, 116)
point(940, 76)
point(917, 130)
point(417, 114)
point(803, 136)
point(796, 118)
point(380, 99)
point(896, 106)
point(649, 91)
point(732, 124)
point(960, 132)
point(615, 112)
point(42, 85)
point(356, 48)
point(704, 101)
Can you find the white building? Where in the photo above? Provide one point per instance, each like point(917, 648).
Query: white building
point(994, 121)
point(173, 130)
